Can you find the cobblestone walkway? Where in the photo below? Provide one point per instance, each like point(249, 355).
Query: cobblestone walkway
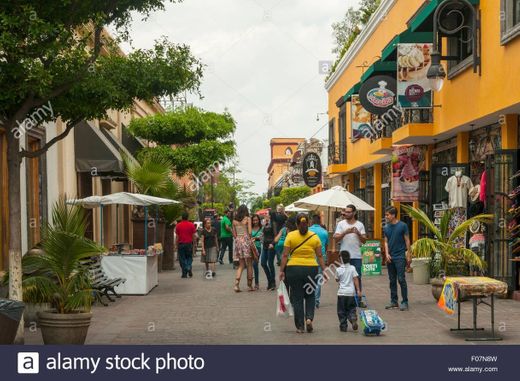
point(201, 311)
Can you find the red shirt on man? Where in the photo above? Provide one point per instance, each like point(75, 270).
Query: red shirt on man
point(185, 231)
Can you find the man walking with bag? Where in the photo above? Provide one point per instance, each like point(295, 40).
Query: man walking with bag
point(397, 252)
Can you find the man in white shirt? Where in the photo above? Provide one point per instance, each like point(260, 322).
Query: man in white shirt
point(352, 235)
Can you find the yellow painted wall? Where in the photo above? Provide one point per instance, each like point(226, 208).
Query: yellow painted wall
point(463, 100)
point(468, 97)
point(393, 24)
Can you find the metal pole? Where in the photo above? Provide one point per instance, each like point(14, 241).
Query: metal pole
point(156, 223)
point(212, 193)
point(101, 225)
point(117, 223)
point(145, 228)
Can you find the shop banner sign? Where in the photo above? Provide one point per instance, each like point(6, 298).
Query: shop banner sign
point(448, 300)
point(360, 119)
point(407, 162)
point(371, 263)
point(378, 94)
point(312, 170)
point(413, 87)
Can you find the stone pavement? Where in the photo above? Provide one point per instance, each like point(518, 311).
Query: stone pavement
point(201, 311)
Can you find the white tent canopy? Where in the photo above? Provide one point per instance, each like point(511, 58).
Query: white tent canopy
point(293, 208)
point(123, 198)
point(332, 199)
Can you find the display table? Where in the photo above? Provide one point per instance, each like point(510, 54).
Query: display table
point(140, 272)
point(457, 289)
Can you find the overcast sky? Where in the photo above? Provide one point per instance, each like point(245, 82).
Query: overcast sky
point(263, 65)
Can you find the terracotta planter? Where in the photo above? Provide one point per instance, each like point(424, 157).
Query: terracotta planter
point(59, 329)
point(437, 285)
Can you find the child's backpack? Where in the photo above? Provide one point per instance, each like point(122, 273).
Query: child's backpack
point(371, 323)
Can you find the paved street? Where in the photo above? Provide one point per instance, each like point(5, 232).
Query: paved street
point(200, 311)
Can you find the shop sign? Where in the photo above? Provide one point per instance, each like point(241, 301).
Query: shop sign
point(312, 170)
point(407, 162)
point(371, 262)
point(378, 94)
point(413, 87)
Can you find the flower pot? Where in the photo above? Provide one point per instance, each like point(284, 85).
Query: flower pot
point(30, 314)
point(437, 285)
point(62, 329)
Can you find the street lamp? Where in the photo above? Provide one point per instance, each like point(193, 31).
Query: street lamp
point(451, 10)
point(436, 72)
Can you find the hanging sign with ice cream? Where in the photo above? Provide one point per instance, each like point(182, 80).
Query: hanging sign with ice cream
point(312, 171)
point(413, 87)
point(378, 94)
point(407, 163)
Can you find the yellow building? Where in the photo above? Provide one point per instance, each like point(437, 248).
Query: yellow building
point(282, 150)
point(472, 126)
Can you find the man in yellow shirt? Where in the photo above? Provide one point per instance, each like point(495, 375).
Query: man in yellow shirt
point(301, 249)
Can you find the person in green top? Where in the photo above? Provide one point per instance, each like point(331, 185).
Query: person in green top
point(301, 257)
point(226, 236)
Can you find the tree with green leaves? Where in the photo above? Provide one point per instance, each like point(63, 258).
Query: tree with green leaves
point(290, 195)
point(346, 31)
point(193, 140)
point(57, 54)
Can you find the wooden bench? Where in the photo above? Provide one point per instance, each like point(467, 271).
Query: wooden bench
point(100, 281)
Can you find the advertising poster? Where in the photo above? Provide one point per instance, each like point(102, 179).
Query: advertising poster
point(378, 94)
point(371, 262)
point(413, 87)
point(407, 162)
point(360, 119)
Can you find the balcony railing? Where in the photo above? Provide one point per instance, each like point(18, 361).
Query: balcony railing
point(391, 122)
point(338, 153)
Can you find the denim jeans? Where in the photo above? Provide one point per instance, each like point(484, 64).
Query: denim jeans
point(346, 310)
point(255, 271)
point(185, 257)
point(267, 262)
point(357, 264)
point(226, 242)
point(318, 286)
point(302, 293)
point(396, 273)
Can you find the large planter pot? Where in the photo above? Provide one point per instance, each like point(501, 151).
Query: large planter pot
point(138, 233)
point(168, 262)
point(59, 329)
point(437, 285)
point(30, 314)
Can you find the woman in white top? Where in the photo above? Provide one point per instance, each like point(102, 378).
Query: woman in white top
point(242, 252)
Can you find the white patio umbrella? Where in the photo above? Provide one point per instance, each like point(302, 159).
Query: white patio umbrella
point(332, 199)
point(293, 208)
point(122, 198)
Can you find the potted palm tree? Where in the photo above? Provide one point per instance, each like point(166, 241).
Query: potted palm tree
point(58, 276)
point(447, 258)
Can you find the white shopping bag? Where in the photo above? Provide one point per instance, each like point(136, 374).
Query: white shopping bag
point(283, 304)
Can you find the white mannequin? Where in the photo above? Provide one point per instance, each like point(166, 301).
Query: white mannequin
point(458, 187)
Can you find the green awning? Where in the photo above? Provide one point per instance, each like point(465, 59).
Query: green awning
point(423, 18)
point(379, 67)
point(390, 51)
point(352, 91)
